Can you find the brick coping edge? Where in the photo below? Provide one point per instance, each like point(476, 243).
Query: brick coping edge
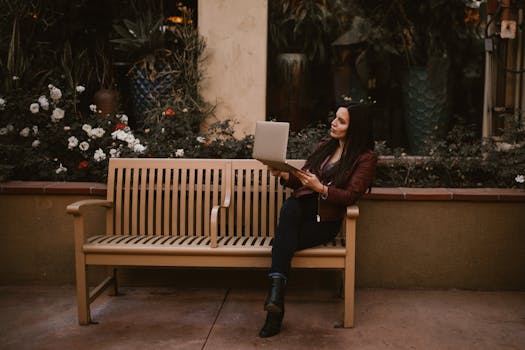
point(377, 193)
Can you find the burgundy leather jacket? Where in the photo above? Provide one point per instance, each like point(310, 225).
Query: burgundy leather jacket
point(358, 180)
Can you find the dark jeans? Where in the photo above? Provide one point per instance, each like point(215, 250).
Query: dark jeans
point(297, 230)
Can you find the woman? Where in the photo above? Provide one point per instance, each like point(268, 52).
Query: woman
point(335, 175)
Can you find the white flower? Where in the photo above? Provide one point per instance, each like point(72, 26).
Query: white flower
point(505, 146)
point(130, 139)
point(50, 86)
point(35, 143)
point(86, 127)
point(80, 89)
point(520, 179)
point(93, 108)
point(72, 142)
point(99, 155)
point(201, 139)
point(185, 110)
point(113, 153)
point(163, 130)
point(2, 103)
point(96, 132)
point(124, 119)
point(34, 108)
point(138, 148)
point(147, 131)
point(10, 127)
point(61, 169)
point(55, 93)
point(84, 146)
point(15, 77)
point(25, 132)
point(58, 113)
point(119, 135)
point(67, 128)
point(179, 153)
point(4, 131)
point(35, 130)
point(44, 103)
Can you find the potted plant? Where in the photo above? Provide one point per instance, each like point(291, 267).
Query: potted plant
point(421, 37)
point(299, 33)
point(147, 46)
point(431, 31)
point(300, 26)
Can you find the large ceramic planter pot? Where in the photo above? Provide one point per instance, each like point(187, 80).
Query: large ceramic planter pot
point(291, 85)
point(425, 95)
point(146, 90)
point(350, 76)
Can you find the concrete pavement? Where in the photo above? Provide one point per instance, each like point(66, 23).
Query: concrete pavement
point(230, 318)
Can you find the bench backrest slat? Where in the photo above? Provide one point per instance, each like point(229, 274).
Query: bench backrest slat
point(175, 199)
point(256, 200)
point(165, 196)
point(175, 196)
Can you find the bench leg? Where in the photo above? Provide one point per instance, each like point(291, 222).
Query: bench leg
point(84, 317)
point(349, 298)
point(349, 281)
point(112, 271)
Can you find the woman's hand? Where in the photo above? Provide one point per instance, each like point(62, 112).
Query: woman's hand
point(277, 172)
point(309, 180)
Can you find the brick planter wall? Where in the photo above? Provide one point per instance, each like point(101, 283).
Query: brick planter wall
point(407, 238)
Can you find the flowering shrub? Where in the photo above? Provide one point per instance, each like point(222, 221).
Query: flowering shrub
point(218, 141)
point(53, 140)
point(45, 137)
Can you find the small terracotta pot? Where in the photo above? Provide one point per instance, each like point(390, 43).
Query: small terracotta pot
point(106, 101)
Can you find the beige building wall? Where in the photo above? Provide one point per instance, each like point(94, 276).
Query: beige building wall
point(235, 70)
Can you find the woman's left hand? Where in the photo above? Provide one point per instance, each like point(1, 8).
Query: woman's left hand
point(309, 180)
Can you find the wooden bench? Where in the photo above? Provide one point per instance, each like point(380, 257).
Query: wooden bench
point(195, 213)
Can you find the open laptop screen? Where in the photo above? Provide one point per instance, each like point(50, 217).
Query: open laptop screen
point(270, 144)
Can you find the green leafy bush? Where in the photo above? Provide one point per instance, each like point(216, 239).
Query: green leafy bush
point(460, 160)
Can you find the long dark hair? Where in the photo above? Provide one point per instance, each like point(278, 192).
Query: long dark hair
point(358, 139)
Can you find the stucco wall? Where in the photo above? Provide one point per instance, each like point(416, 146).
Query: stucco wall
point(235, 70)
point(400, 244)
point(441, 244)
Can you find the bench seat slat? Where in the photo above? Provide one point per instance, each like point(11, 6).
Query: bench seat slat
point(141, 244)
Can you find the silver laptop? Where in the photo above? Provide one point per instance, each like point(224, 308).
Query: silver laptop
point(271, 141)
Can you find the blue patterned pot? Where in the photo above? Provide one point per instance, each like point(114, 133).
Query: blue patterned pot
point(426, 106)
point(147, 93)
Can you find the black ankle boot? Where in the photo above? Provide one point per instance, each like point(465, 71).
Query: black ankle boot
point(272, 325)
point(275, 300)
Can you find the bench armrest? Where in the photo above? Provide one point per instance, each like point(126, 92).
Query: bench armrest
point(77, 208)
point(352, 213)
point(214, 218)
